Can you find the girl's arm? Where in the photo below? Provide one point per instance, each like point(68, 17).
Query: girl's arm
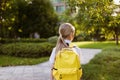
point(79, 53)
point(51, 75)
point(51, 60)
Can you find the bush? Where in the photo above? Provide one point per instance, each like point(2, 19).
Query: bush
point(28, 40)
point(53, 39)
point(27, 49)
point(83, 37)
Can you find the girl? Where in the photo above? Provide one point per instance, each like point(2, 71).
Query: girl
point(66, 35)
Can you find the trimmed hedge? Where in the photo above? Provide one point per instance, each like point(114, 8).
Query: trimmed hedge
point(30, 50)
point(53, 39)
point(28, 40)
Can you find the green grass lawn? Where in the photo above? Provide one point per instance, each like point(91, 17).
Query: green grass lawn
point(105, 66)
point(14, 61)
point(97, 45)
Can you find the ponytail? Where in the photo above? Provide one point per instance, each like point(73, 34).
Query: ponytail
point(60, 44)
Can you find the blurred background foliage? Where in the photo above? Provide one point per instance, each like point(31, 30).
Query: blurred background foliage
point(93, 19)
point(22, 18)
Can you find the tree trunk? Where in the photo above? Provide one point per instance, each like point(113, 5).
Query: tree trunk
point(2, 29)
point(117, 38)
point(0, 18)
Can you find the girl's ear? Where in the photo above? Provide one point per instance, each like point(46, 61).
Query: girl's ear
point(72, 33)
point(72, 36)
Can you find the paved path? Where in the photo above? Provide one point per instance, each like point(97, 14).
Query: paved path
point(40, 71)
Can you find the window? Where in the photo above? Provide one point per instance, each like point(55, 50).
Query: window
point(56, 1)
point(60, 9)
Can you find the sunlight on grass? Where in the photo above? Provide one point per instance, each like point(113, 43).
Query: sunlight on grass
point(96, 45)
point(83, 43)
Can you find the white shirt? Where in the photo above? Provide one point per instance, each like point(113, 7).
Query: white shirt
point(52, 57)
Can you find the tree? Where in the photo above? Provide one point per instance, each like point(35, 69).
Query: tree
point(6, 19)
point(2, 9)
point(95, 16)
point(114, 24)
point(20, 18)
point(39, 17)
point(0, 16)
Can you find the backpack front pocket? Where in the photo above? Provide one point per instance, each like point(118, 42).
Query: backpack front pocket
point(66, 74)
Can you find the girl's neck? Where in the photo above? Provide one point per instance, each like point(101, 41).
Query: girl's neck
point(67, 41)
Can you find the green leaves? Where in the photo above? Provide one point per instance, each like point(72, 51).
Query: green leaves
point(20, 18)
point(96, 15)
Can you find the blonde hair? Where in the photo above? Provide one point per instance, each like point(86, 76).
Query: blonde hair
point(65, 30)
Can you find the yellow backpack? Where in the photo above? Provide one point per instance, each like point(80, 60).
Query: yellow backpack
point(67, 65)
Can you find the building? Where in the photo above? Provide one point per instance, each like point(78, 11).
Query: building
point(59, 5)
point(117, 2)
point(117, 10)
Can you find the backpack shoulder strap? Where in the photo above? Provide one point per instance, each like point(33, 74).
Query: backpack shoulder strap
point(72, 45)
